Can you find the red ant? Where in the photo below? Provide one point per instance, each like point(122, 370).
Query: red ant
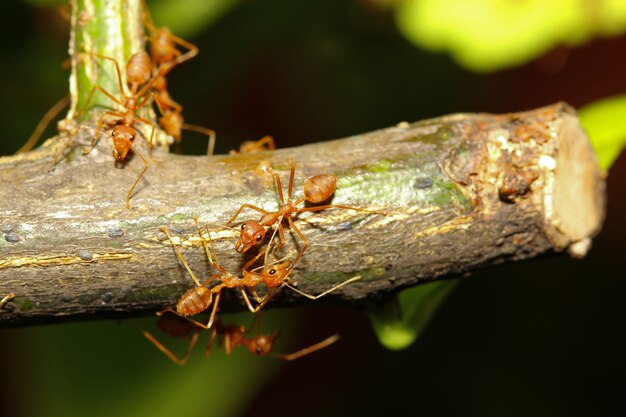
point(163, 44)
point(229, 336)
point(165, 53)
point(266, 143)
point(171, 119)
point(316, 190)
point(138, 73)
point(274, 275)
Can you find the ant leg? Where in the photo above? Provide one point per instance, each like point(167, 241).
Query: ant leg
point(261, 301)
point(43, 124)
point(152, 130)
point(96, 137)
point(192, 50)
point(279, 187)
point(305, 241)
point(266, 141)
point(143, 171)
point(209, 345)
point(279, 245)
point(338, 206)
point(189, 319)
point(291, 176)
point(167, 352)
point(250, 206)
point(228, 343)
point(208, 132)
point(303, 352)
point(214, 311)
point(247, 301)
point(215, 264)
point(117, 71)
point(204, 244)
point(180, 256)
point(6, 299)
point(315, 297)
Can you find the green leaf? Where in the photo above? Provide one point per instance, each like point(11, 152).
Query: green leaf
point(187, 18)
point(401, 320)
point(605, 122)
point(487, 35)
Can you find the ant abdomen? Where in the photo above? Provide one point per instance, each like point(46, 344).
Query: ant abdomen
point(194, 301)
point(139, 68)
point(319, 188)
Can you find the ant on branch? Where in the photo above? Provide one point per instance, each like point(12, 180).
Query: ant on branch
point(200, 298)
point(274, 275)
point(164, 52)
point(123, 132)
point(229, 336)
point(316, 190)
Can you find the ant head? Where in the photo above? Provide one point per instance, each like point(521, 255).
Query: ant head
point(252, 233)
point(274, 275)
point(262, 344)
point(123, 138)
point(139, 68)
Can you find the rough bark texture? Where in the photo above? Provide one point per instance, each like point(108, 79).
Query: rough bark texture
point(461, 192)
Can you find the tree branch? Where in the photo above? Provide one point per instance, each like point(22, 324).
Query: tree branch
point(461, 192)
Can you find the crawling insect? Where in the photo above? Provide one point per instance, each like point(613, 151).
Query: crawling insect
point(229, 336)
point(274, 275)
point(123, 132)
point(317, 189)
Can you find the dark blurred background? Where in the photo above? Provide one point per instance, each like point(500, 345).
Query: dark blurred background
point(543, 337)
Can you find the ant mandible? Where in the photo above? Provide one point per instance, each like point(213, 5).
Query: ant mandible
point(316, 190)
point(230, 336)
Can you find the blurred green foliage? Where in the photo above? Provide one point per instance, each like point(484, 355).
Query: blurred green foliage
point(487, 35)
point(141, 381)
point(401, 320)
point(187, 18)
point(605, 122)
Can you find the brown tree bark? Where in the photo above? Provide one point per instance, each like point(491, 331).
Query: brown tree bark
point(460, 192)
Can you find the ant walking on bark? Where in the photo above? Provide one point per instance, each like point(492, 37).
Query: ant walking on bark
point(316, 190)
point(140, 80)
point(274, 275)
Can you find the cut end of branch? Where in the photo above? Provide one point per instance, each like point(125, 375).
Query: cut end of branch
point(577, 195)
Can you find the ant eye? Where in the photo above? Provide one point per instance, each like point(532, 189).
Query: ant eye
point(243, 226)
point(132, 137)
point(272, 271)
point(258, 238)
point(258, 349)
point(113, 133)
